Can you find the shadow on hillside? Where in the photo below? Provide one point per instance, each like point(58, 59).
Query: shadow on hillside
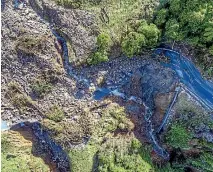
point(45, 148)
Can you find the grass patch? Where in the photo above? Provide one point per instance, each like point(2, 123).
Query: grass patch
point(16, 155)
point(178, 137)
point(82, 159)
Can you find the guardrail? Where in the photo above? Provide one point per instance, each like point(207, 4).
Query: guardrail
point(166, 116)
point(196, 86)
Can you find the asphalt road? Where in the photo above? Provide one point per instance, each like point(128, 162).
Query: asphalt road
point(190, 76)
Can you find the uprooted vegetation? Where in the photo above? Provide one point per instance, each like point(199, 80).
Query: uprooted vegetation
point(31, 45)
point(84, 125)
point(18, 98)
point(68, 132)
point(55, 113)
point(111, 146)
point(45, 81)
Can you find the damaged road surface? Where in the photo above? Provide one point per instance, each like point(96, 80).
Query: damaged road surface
point(189, 75)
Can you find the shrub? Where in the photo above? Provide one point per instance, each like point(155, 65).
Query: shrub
point(67, 132)
point(101, 54)
point(132, 43)
point(117, 155)
point(161, 17)
point(103, 42)
point(14, 87)
point(97, 57)
point(142, 35)
point(56, 114)
point(178, 137)
point(51, 76)
point(151, 33)
point(135, 144)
